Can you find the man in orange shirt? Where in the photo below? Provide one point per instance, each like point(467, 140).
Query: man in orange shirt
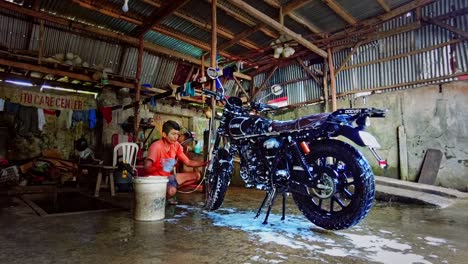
point(163, 155)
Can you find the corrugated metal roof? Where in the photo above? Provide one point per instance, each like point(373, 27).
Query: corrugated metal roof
point(322, 16)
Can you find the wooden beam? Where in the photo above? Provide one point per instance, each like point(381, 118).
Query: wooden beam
point(348, 57)
point(406, 54)
point(241, 36)
point(242, 88)
point(311, 74)
point(265, 81)
point(463, 34)
point(384, 5)
point(313, 28)
point(325, 85)
point(242, 76)
point(207, 26)
point(309, 25)
point(72, 24)
point(293, 5)
point(136, 122)
point(244, 19)
point(396, 12)
point(162, 30)
point(73, 75)
point(332, 79)
point(340, 11)
point(267, 20)
point(159, 15)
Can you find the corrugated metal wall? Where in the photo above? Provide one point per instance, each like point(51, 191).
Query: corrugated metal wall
point(363, 73)
point(157, 71)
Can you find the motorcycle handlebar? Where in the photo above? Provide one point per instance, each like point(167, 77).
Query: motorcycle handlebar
point(209, 92)
point(261, 106)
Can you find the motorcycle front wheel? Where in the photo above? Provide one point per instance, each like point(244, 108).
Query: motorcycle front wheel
point(218, 177)
point(345, 188)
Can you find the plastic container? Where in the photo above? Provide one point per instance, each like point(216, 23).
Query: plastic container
point(150, 198)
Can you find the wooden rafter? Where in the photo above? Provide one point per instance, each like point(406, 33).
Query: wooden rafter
point(293, 5)
point(244, 19)
point(340, 11)
point(74, 25)
point(159, 15)
point(281, 28)
point(311, 74)
point(384, 5)
point(159, 29)
point(207, 26)
point(240, 36)
point(299, 19)
point(463, 34)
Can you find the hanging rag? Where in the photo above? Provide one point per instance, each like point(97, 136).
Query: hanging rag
point(106, 113)
point(49, 112)
point(40, 119)
point(27, 121)
point(68, 117)
point(2, 104)
point(92, 118)
point(11, 107)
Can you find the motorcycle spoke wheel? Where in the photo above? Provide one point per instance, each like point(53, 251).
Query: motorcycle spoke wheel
point(218, 179)
point(345, 189)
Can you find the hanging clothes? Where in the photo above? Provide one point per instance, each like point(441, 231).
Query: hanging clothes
point(106, 113)
point(2, 104)
point(27, 121)
point(92, 118)
point(40, 119)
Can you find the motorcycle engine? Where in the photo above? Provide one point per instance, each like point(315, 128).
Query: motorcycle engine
point(256, 160)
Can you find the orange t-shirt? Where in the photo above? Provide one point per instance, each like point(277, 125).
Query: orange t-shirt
point(164, 156)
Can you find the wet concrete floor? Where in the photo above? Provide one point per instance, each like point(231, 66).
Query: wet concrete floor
point(391, 233)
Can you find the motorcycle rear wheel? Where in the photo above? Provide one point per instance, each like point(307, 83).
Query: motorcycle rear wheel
point(218, 179)
point(350, 180)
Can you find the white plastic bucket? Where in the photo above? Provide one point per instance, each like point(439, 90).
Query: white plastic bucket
point(150, 197)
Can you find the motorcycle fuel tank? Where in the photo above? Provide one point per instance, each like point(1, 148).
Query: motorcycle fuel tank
point(248, 126)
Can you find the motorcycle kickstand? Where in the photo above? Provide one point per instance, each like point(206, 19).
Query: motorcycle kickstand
point(284, 206)
point(271, 201)
point(261, 206)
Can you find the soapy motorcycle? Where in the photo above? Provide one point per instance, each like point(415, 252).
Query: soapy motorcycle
point(330, 181)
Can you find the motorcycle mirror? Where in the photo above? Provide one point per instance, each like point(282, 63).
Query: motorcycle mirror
point(212, 73)
point(276, 89)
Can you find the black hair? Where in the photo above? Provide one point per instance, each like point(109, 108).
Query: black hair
point(170, 124)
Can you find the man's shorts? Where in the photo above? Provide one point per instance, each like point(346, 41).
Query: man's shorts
point(172, 181)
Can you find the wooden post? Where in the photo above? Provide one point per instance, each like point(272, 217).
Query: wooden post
point(325, 84)
point(136, 119)
point(41, 42)
point(332, 79)
point(403, 153)
point(214, 29)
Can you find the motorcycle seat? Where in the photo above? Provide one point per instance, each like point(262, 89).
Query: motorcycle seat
point(306, 122)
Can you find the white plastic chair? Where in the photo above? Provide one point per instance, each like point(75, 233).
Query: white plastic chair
point(127, 152)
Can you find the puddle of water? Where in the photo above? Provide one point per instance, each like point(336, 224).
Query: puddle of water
point(65, 202)
point(299, 235)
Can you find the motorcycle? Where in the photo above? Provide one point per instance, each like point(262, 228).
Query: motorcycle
point(330, 181)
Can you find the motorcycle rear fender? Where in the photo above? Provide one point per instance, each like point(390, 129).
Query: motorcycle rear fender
point(360, 137)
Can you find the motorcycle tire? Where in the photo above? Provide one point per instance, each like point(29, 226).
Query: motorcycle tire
point(351, 177)
point(218, 179)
